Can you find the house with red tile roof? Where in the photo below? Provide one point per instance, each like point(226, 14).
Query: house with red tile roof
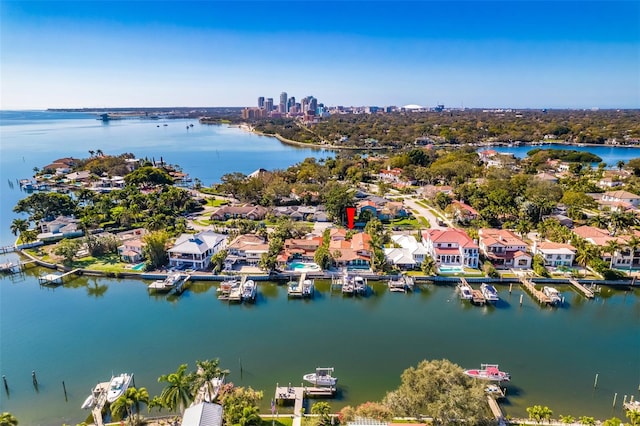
point(504, 249)
point(354, 253)
point(451, 247)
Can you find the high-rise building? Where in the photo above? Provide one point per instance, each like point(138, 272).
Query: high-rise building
point(282, 106)
point(291, 102)
point(268, 105)
point(261, 102)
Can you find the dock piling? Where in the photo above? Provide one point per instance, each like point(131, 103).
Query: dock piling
point(64, 388)
point(615, 396)
point(521, 300)
point(510, 287)
point(34, 378)
point(6, 386)
point(595, 383)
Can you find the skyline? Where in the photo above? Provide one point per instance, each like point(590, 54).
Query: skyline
point(476, 54)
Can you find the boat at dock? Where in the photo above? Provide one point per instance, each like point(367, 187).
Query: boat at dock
point(169, 283)
point(359, 285)
point(235, 293)
point(249, 291)
point(308, 288)
point(465, 291)
point(322, 377)
point(489, 292)
point(553, 294)
point(400, 284)
point(489, 372)
point(89, 402)
point(117, 386)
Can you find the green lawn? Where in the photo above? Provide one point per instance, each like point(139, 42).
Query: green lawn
point(405, 223)
point(216, 202)
point(425, 223)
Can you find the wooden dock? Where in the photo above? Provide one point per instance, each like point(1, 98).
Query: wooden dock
point(582, 289)
point(7, 249)
point(477, 297)
point(495, 409)
point(10, 267)
point(100, 392)
point(537, 294)
point(298, 394)
point(54, 279)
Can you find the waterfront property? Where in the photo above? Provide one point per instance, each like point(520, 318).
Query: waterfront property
point(245, 250)
point(195, 251)
point(59, 228)
point(504, 249)
point(555, 254)
point(409, 255)
point(451, 247)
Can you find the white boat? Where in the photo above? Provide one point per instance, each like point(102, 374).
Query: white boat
point(117, 386)
point(359, 285)
point(489, 292)
point(294, 289)
point(489, 372)
point(466, 292)
point(553, 294)
point(322, 377)
point(249, 290)
point(308, 288)
point(89, 402)
point(167, 284)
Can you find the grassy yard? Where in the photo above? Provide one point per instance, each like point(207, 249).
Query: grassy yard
point(405, 223)
point(216, 202)
point(278, 421)
point(425, 223)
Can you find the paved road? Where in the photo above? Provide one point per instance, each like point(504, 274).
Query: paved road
point(424, 212)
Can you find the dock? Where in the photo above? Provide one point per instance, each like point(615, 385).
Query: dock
point(400, 284)
point(477, 297)
point(298, 394)
point(10, 267)
point(495, 409)
point(537, 294)
point(54, 279)
point(582, 289)
point(100, 392)
point(7, 249)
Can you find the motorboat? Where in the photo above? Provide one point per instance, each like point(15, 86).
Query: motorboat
point(89, 402)
point(167, 284)
point(322, 377)
point(249, 290)
point(359, 285)
point(553, 294)
point(308, 288)
point(466, 292)
point(489, 372)
point(489, 292)
point(117, 386)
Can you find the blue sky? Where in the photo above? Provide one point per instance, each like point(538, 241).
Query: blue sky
point(553, 54)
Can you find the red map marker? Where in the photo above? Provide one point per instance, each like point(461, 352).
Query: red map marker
point(351, 213)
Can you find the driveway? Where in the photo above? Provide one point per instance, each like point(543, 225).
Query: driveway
point(424, 212)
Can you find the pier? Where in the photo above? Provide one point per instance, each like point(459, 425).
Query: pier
point(51, 279)
point(7, 249)
point(537, 294)
point(100, 393)
point(582, 289)
point(495, 409)
point(477, 297)
point(298, 394)
point(10, 267)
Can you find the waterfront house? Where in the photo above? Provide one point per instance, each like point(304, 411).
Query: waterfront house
point(248, 211)
point(555, 254)
point(245, 249)
point(504, 249)
point(409, 255)
point(58, 228)
point(301, 249)
point(451, 247)
point(351, 254)
point(131, 250)
point(623, 258)
point(195, 251)
point(203, 414)
point(81, 176)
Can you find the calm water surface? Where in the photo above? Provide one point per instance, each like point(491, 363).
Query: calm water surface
point(90, 328)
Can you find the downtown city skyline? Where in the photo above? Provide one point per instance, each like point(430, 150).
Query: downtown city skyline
point(473, 54)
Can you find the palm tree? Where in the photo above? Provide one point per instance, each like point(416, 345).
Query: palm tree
point(567, 419)
point(177, 393)
point(8, 419)
point(612, 247)
point(250, 416)
point(633, 244)
point(539, 413)
point(428, 265)
point(599, 221)
point(132, 397)
point(208, 371)
point(633, 416)
point(586, 253)
point(18, 226)
point(584, 420)
point(523, 227)
point(91, 152)
point(620, 165)
point(99, 153)
point(322, 409)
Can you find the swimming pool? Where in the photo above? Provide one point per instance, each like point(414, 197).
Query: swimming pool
point(138, 267)
point(450, 269)
point(306, 266)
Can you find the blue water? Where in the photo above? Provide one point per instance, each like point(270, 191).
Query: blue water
point(609, 154)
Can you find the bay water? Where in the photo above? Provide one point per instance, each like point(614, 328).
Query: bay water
point(84, 331)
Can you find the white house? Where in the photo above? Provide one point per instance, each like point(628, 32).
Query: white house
point(203, 414)
point(409, 255)
point(195, 251)
point(555, 254)
point(58, 228)
point(451, 247)
point(504, 249)
point(621, 197)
